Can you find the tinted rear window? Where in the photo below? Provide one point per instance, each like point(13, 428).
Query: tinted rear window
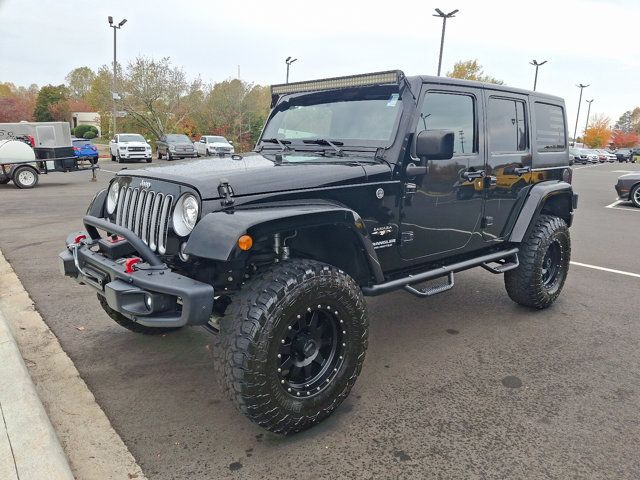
point(550, 134)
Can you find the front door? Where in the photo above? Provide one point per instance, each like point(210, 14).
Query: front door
point(508, 162)
point(442, 210)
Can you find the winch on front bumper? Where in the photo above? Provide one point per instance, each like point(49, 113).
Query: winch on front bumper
point(142, 288)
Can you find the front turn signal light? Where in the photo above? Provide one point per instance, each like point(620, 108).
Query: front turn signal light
point(245, 242)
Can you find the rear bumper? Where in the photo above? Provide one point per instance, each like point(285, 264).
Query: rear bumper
point(152, 295)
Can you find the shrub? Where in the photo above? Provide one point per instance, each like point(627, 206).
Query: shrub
point(73, 132)
point(89, 135)
point(80, 130)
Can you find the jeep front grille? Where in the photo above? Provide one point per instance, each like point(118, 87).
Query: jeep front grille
point(145, 213)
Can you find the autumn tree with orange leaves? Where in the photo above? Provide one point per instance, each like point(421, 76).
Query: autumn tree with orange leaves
point(598, 135)
point(621, 139)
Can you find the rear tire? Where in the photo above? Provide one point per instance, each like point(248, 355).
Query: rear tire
point(25, 177)
point(292, 343)
point(129, 324)
point(544, 263)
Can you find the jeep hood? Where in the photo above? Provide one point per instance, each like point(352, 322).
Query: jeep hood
point(255, 174)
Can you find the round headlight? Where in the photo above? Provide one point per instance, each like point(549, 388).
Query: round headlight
point(185, 214)
point(112, 197)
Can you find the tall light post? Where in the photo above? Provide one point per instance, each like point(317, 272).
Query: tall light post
point(444, 16)
point(289, 61)
point(575, 130)
point(586, 125)
point(113, 93)
point(536, 64)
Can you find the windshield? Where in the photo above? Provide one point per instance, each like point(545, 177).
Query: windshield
point(366, 121)
point(177, 138)
point(131, 138)
point(217, 140)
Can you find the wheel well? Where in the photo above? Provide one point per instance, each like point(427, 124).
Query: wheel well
point(332, 244)
point(559, 205)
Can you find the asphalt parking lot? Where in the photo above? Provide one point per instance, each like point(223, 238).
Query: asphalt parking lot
point(464, 385)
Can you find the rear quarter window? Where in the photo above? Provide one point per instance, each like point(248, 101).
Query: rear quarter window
point(550, 131)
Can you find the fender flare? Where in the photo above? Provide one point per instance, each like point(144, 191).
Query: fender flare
point(215, 236)
point(538, 196)
point(96, 207)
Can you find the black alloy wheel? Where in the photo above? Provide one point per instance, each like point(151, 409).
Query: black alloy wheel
point(311, 351)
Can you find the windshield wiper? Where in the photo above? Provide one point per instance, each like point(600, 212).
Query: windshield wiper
point(282, 143)
point(323, 141)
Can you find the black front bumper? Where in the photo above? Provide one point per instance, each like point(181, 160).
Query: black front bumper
point(175, 300)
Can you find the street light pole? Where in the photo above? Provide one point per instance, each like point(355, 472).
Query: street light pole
point(289, 61)
point(444, 16)
point(113, 92)
point(575, 131)
point(536, 64)
point(588, 113)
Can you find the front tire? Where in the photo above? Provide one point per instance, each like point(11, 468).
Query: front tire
point(129, 324)
point(635, 196)
point(292, 344)
point(544, 264)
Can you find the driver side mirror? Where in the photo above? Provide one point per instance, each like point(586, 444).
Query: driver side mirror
point(435, 144)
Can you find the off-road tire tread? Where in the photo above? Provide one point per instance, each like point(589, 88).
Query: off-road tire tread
point(237, 344)
point(130, 325)
point(522, 284)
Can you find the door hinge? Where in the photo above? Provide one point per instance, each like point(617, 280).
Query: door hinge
point(226, 193)
point(410, 188)
point(406, 237)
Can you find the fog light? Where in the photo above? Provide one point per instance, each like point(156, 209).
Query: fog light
point(183, 256)
point(148, 302)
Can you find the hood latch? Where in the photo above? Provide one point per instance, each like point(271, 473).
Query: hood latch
point(226, 193)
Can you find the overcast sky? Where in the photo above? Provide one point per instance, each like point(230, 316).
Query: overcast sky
point(591, 42)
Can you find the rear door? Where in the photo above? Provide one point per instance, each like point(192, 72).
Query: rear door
point(509, 160)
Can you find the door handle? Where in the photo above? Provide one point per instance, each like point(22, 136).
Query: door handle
point(522, 170)
point(472, 175)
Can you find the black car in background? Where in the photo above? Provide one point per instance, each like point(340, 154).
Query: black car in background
point(175, 145)
point(623, 154)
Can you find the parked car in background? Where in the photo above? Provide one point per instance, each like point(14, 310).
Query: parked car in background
point(592, 155)
point(83, 148)
point(578, 155)
point(623, 154)
point(175, 145)
point(605, 156)
point(628, 188)
point(129, 146)
point(213, 145)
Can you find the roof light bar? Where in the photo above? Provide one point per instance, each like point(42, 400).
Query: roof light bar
point(376, 78)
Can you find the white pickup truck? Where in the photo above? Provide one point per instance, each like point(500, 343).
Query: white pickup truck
point(129, 146)
point(213, 145)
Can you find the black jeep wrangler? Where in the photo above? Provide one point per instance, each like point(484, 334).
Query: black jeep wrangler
point(358, 186)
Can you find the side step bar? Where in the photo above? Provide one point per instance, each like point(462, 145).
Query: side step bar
point(483, 261)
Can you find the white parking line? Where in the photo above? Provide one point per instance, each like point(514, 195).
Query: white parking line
point(611, 270)
point(105, 170)
point(612, 205)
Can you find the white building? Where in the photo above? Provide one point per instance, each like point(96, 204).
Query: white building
point(86, 118)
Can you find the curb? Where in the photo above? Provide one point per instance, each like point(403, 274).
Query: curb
point(94, 449)
point(29, 447)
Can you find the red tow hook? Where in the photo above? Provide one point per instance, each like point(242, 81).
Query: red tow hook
point(129, 264)
point(79, 238)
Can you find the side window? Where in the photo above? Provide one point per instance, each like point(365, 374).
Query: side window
point(451, 111)
point(507, 124)
point(550, 134)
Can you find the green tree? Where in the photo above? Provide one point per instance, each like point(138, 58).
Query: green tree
point(48, 96)
point(79, 81)
point(471, 70)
